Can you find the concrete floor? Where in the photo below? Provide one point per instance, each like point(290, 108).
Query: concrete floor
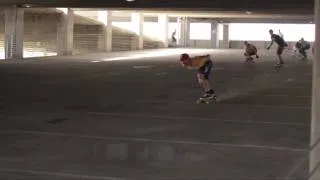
point(87, 117)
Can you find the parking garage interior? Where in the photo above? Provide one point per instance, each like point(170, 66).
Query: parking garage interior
point(95, 91)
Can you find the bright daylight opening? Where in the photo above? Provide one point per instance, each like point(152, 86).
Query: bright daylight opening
point(260, 31)
point(200, 31)
point(155, 53)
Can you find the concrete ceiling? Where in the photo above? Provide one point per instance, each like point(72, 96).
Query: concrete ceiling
point(261, 6)
point(222, 17)
point(267, 11)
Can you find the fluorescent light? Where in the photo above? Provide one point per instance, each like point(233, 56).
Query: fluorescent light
point(27, 5)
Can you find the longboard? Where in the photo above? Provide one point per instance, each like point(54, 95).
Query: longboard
point(249, 60)
point(206, 101)
point(279, 65)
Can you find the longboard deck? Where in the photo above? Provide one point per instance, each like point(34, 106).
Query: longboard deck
point(279, 66)
point(206, 101)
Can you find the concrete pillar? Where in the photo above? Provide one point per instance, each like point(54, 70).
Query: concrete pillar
point(65, 32)
point(163, 21)
point(225, 41)
point(137, 21)
point(315, 122)
point(214, 35)
point(183, 35)
point(105, 43)
point(14, 31)
point(183, 32)
point(179, 31)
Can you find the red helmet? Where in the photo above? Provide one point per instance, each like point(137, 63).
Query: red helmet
point(184, 57)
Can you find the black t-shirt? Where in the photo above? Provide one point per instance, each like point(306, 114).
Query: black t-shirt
point(279, 40)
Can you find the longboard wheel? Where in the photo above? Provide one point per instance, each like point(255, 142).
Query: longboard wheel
point(200, 101)
point(204, 101)
point(279, 65)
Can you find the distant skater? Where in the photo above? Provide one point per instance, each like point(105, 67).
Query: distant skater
point(173, 38)
point(302, 46)
point(203, 64)
point(250, 50)
point(281, 45)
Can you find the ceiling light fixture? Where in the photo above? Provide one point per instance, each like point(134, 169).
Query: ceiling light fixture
point(27, 5)
point(130, 0)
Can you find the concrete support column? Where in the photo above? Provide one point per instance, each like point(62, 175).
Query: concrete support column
point(65, 32)
point(315, 122)
point(163, 21)
point(214, 35)
point(14, 31)
point(179, 29)
point(137, 21)
point(184, 24)
point(225, 41)
point(105, 43)
point(183, 32)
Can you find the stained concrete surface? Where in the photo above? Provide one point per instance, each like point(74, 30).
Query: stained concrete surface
point(87, 117)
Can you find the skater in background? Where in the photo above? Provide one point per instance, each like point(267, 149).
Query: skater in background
point(203, 64)
point(281, 45)
point(173, 38)
point(250, 50)
point(302, 46)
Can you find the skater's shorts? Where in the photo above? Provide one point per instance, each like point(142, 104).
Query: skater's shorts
point(280, 50)
point(250, 53)
point(205, 69)
point(298, 45)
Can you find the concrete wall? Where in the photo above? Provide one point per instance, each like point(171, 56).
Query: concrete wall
point(200, 44)
point(40, 36)
point(151, 44)
point(123, 40)
point(234, 44)
point(1, 34)
point(40, 33)
point(85, 38)
point(258, 44)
